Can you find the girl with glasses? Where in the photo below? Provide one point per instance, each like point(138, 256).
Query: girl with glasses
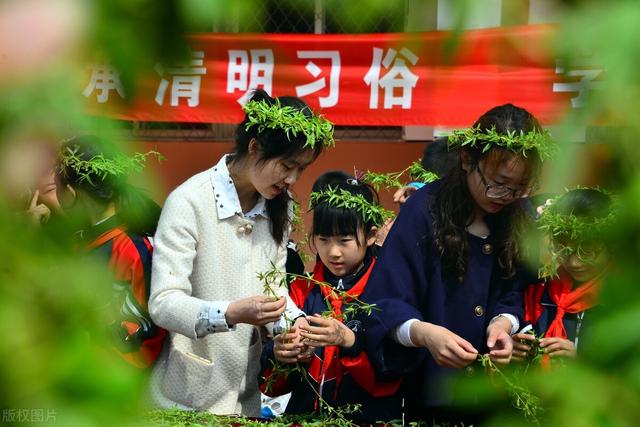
point(447, 280)
point(555, 307)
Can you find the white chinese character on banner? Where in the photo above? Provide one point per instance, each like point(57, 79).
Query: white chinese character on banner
point(245, 75)
point(334, 76)
point(398, 76)
point(185, 81)
point(586, 83)
point(104, 79)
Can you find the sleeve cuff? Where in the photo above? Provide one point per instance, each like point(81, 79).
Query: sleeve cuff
point(515, 324)
point(402, 333)
point(211, 318)
point(288, 318)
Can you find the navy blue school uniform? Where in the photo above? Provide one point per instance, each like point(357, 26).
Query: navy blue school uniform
point(346, 377)
point(408, 283)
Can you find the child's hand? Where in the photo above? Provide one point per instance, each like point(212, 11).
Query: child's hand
point(301, 323)
point(522, 345)
point(38, 212)
point(287, 347)
point(306, 351)
point(327, 331)
point(558, 347)
point(448, 349)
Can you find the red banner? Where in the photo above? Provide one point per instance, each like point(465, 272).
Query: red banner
point(368, 79)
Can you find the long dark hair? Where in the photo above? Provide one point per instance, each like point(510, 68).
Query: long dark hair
point(329, 220)
point(275, 143)
point(135, 209)
point(453, 204)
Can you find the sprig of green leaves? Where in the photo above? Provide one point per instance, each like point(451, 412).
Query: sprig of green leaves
point(102, 167)
point(415, 172)
point(341, 198)
point(315, 128)
point(574, 231)
point(521, 397)
point(520, 142)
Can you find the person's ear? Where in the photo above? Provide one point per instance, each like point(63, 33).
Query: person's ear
point(371, 238)
point(312, 243)
point(254, 147)
point(466, 161)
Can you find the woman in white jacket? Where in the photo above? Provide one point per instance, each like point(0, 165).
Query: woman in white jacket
point(217, 231)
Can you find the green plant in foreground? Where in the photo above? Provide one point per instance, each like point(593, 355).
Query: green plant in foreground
point(522, 398)
point(332, 417)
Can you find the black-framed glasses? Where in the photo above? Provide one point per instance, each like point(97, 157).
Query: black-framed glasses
point(495, 191)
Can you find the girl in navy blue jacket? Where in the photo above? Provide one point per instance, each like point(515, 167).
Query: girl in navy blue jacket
point(447, 283)
point(337, 371)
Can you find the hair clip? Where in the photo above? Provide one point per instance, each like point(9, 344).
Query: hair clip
point(352, 181)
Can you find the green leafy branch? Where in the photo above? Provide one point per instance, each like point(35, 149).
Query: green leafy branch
point(516, 141)
point(297, 224)
point(274, 279)
point(341, 198)
point(386, 180)
point(315, 128)
point(104, 167)
point(522, 398)
point(417, 172)
point(414, 172)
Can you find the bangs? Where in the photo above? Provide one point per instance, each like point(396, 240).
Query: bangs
point(497, 156)
point(333, 221)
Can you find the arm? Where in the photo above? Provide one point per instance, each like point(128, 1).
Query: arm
point(171, 303)
point(508, 315)
point(399, 285)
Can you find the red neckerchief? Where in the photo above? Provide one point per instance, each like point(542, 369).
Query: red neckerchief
point(567, 299)
point(570, 300)
point(106, 236)
point(332, 353)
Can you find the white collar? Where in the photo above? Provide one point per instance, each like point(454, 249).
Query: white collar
point(226, 195)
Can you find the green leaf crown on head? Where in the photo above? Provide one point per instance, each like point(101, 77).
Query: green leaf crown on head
point(341, 198)
point(103, 167)
point(519, 142)
point(264, 115)
point(574, 231)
